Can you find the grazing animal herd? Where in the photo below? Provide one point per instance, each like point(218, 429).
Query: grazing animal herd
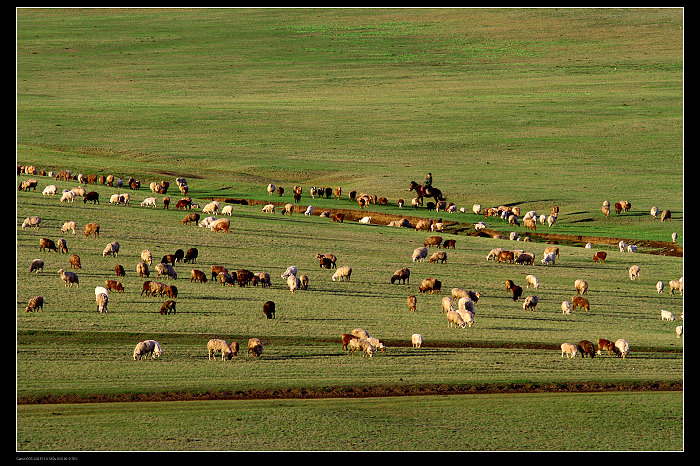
point(460, 315)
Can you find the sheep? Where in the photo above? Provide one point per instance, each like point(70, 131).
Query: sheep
point(631, 248)
point(530, 223)
point(674, 237)
point(291, 270)
point(32, 221)
point(493, 254)
point(35, 304)
point(287, 209)
point(111, 248)
point(622, 245)
point(416, 340)
point(447, 304)
point(192, 217)
point(675, 285)
point(569, 349)
point(245, 277)
point(581, 286)
point(634, 272)
point(69, 278)
point(579, 301)
point(550, 249)
point(255, 347)
point(467, 316)
point(166, 269)
point(585, 347)
point(454, 319)
point(476, 208)
point(62, 245)
point(206, 222)
point(102, 301)
point(149, 202)
point(345, 339)
point(532, 280)
point(293, 283)
point(268, 209)
point(216, 345)
point(565, 307)
point(506, 256)
point(365, 220)
point(679, 331)
point(114, 285)
point(145, 348)
point(667, 315)
point(600, 256)
point(665, 215)
point(517, 292)
point(303, 282)
point(479, 226)
point(530, 303)
point(36, 265)
point(50, 190)
point(197, 276)
point(92, 229)
point(360, 333)
point(142, 269)
point(331, 259)
point(68, 226)
point(269, 309)
point(221, 224)
point(401, 275)
point(549, 258)
point(46, 243)
point(170, 291)
point(623, 347)
point(654, 211)
point(264, 279)
point(191, 256)
point(211, 208)
point(412, 301)
point(606, 345)
point(68, 196)
point(342, 274)
point(377, 344)
point(659, 286)
point(433, 241)
point(419, 254)
point(440, 256)
point(449, 243)
point(358, 344)
point(509, 285)
point(431, 285)
point(465, 304)
point(226, 279)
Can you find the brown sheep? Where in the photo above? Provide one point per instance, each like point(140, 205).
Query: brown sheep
point(269, 309)
point(433, 241)
point(345, 339)
point(92, 196)
point(440, 256)
point(580, 301)
point(191, 255)
point(185, 203)
point(74, 260)
point(119, 270)
point(449, 243)
point(35, 304)
point(618, 207)
point(530, 223)
point(606, 345)
point(665, 215)
point(146, 288)
point(216, 270)
point(62, 246)
point(325, 263)
point(45, 243)
point(92, 229)
point(192, 217)
point(330, 257)
point(337, 192)
point(509, 285)
point(431, 285)
point(244, 277)
point(170, 291)
point(167, 307)
point(600, 256)
point(585, 347)
point(114, 285)
point(506, 256)
point(168, 259)
point(339, 218)
point(412, 301)
point(402, 275)
point(198, 276)
point(517, 292)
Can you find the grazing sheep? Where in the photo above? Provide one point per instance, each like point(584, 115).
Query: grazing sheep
point(191, 255)
point(377, 343)
point(102, 301)
point(268, 209)
point(293, 283)
point(264, 279)
point(605, 345)
point(449, 243)
point(221, 224)
point(419, 254)
point(402, 275)
point(92, 229)
point(142, 269)
point(454, 319)
point(362, 345)
point(69, 278)
point(170, 291)
point(291, 270)
point(192, 217)
point(440, 256)
point(46, 243)
point(506, 256)
point(331, 259)
point(659, 286)
point(581, 286)
point(343, 273)
point(579, 301)
point(412, 301)
point(623, 347)
point(549, 258)
point(216, 345)
point(631, 248)
point(50, 190)
point(634, 272)
point(206, 222)
point(197, 276)
point(287, 209)
point(600, 256)
point(146, 348)
point(255, 347)
point(111, 248)
point(430, 285)
point(360, 333)
point(345, 339)
point(365, 220)
point(530, 303)
point(269, 309)
point(68, 226)
point(569, 349)
point(465, 304)
point(517, 292)
point(166, 269)
point(566, 307)
point(667, 315)
point(532, 280)
point(433, 241)
point(32, 221)
point(509, 285)
point(211, 208)
point(416, 340)
point(149, 202)
point(585, 347)
point(114, 285)
point(245, 277)
point(675, 285)
point(36, 265)
point(68, 196)
point(551, 249)
point(35, 304)
point(447, 304)
point(665, 215)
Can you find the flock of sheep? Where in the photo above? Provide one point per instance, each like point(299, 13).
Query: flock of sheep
point(459, 309)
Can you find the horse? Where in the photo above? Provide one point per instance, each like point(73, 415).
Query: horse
point(429, 191)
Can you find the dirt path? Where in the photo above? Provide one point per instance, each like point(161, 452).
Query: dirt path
point(665, 248)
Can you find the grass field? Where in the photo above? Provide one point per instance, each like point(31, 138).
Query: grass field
point(583, 107)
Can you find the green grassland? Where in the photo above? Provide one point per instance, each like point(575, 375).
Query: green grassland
point(527, 107)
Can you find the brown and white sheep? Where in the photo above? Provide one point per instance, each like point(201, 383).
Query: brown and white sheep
point(430, 285)
point(255, 347)
point(35, 304)
point(216, 345)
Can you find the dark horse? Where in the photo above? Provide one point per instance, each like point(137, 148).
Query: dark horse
point(429, 191)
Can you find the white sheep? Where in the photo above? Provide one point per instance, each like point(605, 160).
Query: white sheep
point(291, 270)
point(581, 286)
point(654, 211)
point(466, 315)
point(659, 286)
point(679, 331)
point(365, 220)
point(675, 285)
point(622, 246)
point(360, 333)
point(343, 273)
point(465, 304)
point(549, 258)
point(114, 199)
point(32, 221)
point(447, 304)
point(166, 269)
point(149, 202)
point(293, 283)
point(269, 209)
point(219, 346)
point(479, 226)
point(101, 290)
point(102, 301)
point(476, 208)
point(551, 220)
point(68, 196)
point(146, 347)
point(309, 210)
point(634, 272)
point(147, 257)
point(377, 343)
point(365, 346)
point(667, 315)
point(50, 190)
point(569, 349)
point(419, 254)
point(69, 278)
point(530, 302)
point(532, 280)
point(207, 221)
point(271, 189)
point(493, 254)
point(227, 210)
point(255, 346)
point(416, 340)
point(111, 248)
point(68, 226)
point(566, 307)
point(623, 347)
point(631, 248)
point(454, 319)
point(589, 246)
point(211, 208)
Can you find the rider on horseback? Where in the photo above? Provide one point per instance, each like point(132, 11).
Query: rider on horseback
point(428, 181)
